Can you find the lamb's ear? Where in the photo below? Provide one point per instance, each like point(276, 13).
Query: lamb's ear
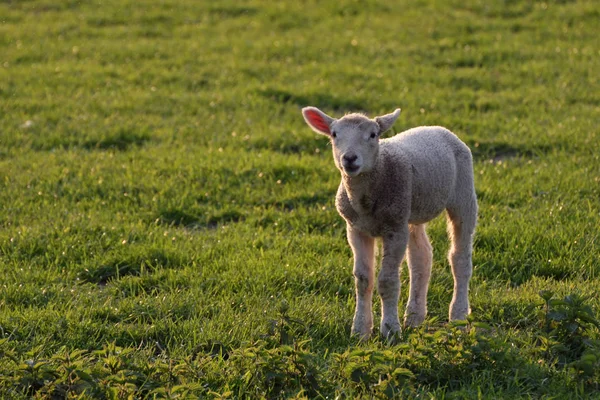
point(385, 122)
point(318, 120)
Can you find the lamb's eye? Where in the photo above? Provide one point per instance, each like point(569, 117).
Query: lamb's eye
point(373, 135)
point(333, 134)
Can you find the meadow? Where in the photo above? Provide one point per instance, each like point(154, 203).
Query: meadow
point(167, 224)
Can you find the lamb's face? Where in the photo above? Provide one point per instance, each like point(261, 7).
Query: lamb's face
point(355, 143)
point(354, 138)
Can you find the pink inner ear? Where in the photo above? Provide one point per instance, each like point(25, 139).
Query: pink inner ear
point(317, 121)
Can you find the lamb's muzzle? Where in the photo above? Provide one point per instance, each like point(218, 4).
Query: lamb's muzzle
point(390, 189)
point(350, 163)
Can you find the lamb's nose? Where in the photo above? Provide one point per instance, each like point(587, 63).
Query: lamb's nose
point(350, 158)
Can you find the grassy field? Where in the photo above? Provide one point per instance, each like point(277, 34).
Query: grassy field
point(167, 226)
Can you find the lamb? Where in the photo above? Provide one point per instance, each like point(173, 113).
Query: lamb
point(390, 189)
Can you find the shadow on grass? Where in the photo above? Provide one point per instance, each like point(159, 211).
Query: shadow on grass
point(186, 219)
point(121, 140)
point(131, 264)
point(294, 145)
point(519, 265)
point(321, 100)
point(303, 201)
point(232, 11)
point(497, 151)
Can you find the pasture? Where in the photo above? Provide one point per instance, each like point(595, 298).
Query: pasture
point(167, 225)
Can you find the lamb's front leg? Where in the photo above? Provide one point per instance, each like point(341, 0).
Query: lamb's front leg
point(394, 246)
point(363, 247)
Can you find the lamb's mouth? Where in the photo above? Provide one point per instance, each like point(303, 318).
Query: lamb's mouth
point(351, 169)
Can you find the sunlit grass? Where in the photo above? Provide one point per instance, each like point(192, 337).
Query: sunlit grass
point(162, 198)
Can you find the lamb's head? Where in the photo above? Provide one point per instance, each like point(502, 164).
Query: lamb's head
point(354, 137)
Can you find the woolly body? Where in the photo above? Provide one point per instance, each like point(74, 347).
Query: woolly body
point(390, 188)
point(407, 184)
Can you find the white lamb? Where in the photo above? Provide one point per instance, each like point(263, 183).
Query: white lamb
point(390, 188)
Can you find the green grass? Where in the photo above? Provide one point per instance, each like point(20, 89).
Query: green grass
point(167, 226)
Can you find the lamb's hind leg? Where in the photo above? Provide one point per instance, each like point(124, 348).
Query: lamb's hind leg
point(363, 247)
point(420, 257)
point(461, 227)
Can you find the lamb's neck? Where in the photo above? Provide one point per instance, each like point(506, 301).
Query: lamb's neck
point(365, 182)
point(357, 187)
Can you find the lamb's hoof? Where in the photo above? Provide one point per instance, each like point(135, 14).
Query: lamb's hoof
point(413, 320)
point(459, 312)
point(458, 317)
point(362, 326)
point(362, 329)
point(363, 336)
point(390, 331)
